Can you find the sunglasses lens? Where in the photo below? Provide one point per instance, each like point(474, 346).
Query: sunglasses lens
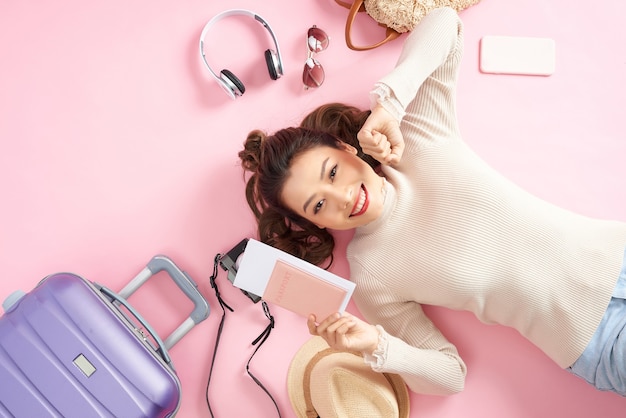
point(313, 74)
point(317, 40)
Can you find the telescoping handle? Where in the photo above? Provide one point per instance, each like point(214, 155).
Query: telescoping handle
point(201, 309)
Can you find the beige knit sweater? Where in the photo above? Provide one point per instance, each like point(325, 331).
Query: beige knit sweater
point(455, 233)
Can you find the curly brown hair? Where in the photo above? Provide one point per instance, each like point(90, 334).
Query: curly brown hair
point(269, 157)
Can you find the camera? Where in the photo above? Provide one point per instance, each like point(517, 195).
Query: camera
point(229, 263)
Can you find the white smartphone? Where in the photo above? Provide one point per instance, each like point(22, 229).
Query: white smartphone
point(517, 55)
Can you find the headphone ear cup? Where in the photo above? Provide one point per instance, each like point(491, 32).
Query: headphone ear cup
point(232, 83)
point(273, 67)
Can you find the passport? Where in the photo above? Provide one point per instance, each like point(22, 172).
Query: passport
point(303, 293)
point(291, 283)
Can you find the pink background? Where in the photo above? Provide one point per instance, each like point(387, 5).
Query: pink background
point(118, 145)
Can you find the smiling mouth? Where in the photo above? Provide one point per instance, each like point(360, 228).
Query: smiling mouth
point(362, 202)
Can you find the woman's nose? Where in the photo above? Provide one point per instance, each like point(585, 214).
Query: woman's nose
point(342, 196)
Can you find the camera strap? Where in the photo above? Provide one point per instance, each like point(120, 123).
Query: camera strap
point(258, 340)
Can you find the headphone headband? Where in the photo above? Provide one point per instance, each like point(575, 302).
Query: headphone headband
point(227, 82)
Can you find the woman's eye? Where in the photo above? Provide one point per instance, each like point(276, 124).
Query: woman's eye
point(333, 172)
point(318, 207)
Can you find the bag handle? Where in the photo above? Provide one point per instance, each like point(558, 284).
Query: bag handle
point(356, 7)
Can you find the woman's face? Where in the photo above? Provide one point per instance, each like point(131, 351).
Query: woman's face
point(334, 188)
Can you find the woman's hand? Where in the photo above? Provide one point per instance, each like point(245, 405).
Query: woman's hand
point(345, 332)
point(381, 138)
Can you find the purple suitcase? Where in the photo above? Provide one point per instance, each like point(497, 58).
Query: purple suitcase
point(73, 348)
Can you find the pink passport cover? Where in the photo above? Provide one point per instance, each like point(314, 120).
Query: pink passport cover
point(302, 292)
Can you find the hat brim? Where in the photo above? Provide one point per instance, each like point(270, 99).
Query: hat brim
point(295, 379)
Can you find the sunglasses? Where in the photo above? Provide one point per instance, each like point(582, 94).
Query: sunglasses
point(313, 74)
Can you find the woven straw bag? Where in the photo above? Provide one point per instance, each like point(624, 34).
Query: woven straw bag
point(398, 16)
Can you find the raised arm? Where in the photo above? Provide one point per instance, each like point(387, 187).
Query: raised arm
point(432, 51)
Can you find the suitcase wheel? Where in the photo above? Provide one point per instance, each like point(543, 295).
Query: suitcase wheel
point(12, 300)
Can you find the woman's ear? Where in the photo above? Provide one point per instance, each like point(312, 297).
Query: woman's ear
point(347, 147)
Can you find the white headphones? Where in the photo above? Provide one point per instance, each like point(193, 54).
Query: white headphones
point(226, 79)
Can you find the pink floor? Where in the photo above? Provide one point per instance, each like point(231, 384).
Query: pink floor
point(117, 145)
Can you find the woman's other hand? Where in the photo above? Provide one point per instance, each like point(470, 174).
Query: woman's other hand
point(381, 138)
point(345, 332)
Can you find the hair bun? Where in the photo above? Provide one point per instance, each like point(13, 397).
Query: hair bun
point(251, 153)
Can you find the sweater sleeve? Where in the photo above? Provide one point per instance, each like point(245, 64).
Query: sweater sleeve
point(421, 89)
point(437, 37)
point(410, 344)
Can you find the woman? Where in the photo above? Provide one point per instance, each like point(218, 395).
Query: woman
point(437, 226)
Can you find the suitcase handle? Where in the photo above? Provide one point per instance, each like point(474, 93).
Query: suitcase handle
point(184, 282)
point(162, 349)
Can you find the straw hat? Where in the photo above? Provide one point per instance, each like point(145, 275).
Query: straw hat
point(328, 383)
